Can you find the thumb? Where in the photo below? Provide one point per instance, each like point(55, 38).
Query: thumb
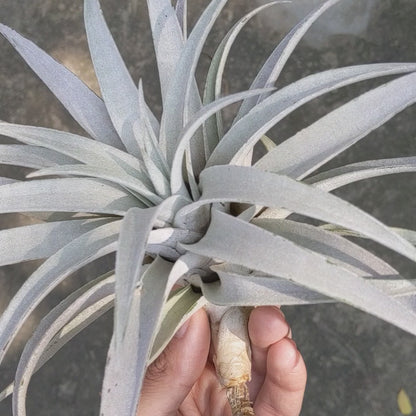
point(171, 377)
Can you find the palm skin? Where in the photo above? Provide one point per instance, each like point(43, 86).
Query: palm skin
point(189, 387)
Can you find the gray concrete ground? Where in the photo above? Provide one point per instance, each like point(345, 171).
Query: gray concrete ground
point(356, 363)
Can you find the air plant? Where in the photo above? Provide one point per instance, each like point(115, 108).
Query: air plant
point(182, 201)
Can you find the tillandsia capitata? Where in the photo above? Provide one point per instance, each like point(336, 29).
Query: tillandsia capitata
point(180, 200)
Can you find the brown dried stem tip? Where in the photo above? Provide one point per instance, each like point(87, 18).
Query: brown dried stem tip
point(239, 400)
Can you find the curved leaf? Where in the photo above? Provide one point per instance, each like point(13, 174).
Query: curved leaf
point(180, 306)
point(178, 107)
point(270, 71)
point(344, 175)
point(261, 250)
point(177, 182)
point(127, 360)
point(31, 156)
point(321, 141)
point(181, 10)
point(7, 181)
point(409, 235)
point(117, 87)
point(237, 289)
point(147, 139)
point(334, 247)
point(135, 229)
point(97, 291)
point(86, 108)
point(65, 194)
point(80, 148)
point(101, 172)
point(81, 251)
point(135, 235)
point(212, 90)
point(250, 185)
point(167, 40)
point(39, 241)
point(244, 134)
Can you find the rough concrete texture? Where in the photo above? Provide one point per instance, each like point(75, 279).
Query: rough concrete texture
point(356, 363)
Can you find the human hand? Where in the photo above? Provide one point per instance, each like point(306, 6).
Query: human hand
point(182, 381)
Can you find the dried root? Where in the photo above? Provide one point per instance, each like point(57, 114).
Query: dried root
point(239, 400)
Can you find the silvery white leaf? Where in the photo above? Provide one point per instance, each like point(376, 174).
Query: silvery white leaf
point(181, 10)
point(212, 90)
point(334, 247)
point(272, 68)
point(409, 235)
point(79, 252)
point(261, 250)
point(6, 181)
point(86, 108)
point(167, 40)
point(136, 233)
point(344, 175)
point(179, 308)
point(89, 295)
point(341, 128)
point(117, 87)
point(151, 158)
point(172, 236)
point(237, 289)
point(250, 185)
point(244, 134)
point(77, 147)
point(335, 178)
point(177, 180)
point(146, 136)
point(31, 156)
point(135, 229)
point(116, 176)
point(127, 361)
point(65, 194)
point(22, 243)
point(179, 104)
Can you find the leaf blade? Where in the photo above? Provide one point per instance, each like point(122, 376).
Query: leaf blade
point(344, 175)
point(89, 246)
point(31, 156)
point(245, 133)
point(115, 176)
point(84, 106)
point(22, 243)
point(250, 185)
point(182, 99)
point(270, 71)
point(35, 349)
point(117, 87)
point(259, 250)
point(66, 195)
point(355, 122)
point(129, 359)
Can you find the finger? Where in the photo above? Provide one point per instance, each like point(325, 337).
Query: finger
point(285, 381)
point(171, 377)
point(266, 326)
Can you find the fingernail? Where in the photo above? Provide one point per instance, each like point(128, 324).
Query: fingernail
point(280, 311)
point(182, 330)
point(298, 354)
